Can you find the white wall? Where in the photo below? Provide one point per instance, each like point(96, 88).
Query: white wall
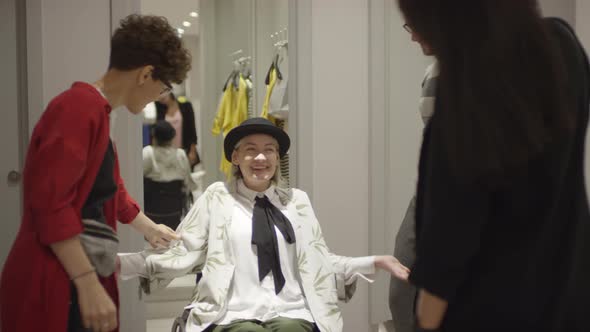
point(210, 146)
point(74, 37)
point(583, 24)
point(332, 134)
point(583, 31)
point(565, 9)
point(193, 81)
point(11, 15)
point(127, 135)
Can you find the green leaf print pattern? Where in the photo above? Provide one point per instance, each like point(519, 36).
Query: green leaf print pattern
point(324, 328)
point(335, 310)
point(319, 280)
point(196, 318)
point(302, 262)
point(213, 261)
point(318, 242)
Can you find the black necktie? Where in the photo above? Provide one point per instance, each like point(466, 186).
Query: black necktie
point(264, 219)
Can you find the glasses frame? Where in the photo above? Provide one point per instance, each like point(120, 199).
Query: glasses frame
point(167, 89)
point(167, 86)
point(408, 28)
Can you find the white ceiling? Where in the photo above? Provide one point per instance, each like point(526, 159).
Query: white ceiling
point(176, 11)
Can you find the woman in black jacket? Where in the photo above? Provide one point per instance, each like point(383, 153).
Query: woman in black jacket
point(503, 228)
point(182, 117)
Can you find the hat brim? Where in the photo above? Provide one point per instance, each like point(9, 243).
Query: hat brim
point(236, 134)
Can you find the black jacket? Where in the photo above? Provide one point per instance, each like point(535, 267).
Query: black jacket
point(515, 258)
point(189, 130)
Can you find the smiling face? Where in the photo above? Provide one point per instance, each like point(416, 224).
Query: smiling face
point(257, 157)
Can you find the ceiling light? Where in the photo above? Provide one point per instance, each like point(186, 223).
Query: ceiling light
point(194, 14)
point(180, 30)
point(186, 24)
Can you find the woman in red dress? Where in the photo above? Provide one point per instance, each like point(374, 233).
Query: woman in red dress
point(50, 281)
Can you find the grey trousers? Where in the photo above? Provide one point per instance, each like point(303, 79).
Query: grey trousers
point(402, 295)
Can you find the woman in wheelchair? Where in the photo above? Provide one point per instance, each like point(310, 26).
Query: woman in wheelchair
point(166, 177)
point(264, 262)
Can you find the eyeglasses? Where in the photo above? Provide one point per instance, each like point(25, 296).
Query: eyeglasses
point(166, 90)
point(408, 28)
point(167, 86)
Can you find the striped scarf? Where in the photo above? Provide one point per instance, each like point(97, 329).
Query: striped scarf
point(427, 98)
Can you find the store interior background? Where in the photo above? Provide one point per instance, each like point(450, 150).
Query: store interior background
point(354, 84)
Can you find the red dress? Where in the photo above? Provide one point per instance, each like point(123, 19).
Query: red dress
point(63, 158)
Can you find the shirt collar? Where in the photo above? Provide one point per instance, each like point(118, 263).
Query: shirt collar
point(92, 88)
point(251, 194)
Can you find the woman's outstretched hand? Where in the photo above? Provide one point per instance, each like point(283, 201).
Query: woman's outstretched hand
point(160, 236)
point(393, 266)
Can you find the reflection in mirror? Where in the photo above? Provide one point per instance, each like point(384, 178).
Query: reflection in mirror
point(239, 70)
point(240, 41)
point(172, 154)
point(172, 166)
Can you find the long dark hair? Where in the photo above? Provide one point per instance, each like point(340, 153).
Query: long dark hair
point(500, 95)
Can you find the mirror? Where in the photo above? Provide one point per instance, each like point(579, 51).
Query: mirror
point(239, 70)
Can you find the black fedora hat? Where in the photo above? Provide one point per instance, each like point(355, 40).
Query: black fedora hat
point(255, 126)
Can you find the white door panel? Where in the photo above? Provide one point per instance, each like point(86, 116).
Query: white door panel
point(10, 141)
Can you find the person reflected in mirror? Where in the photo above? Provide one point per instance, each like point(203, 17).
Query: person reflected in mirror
point(180, 114)
point(264, 262)
point(60, 272)
point(168, 182)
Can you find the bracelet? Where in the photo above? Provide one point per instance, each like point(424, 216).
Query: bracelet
point(419, 329)
point(83, 274)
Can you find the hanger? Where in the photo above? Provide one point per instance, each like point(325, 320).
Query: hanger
point(238, 65)
point(245, 69)
point(279, 45)
point(277, 58)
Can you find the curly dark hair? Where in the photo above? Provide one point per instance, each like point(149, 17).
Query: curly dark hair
point(143, 40)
